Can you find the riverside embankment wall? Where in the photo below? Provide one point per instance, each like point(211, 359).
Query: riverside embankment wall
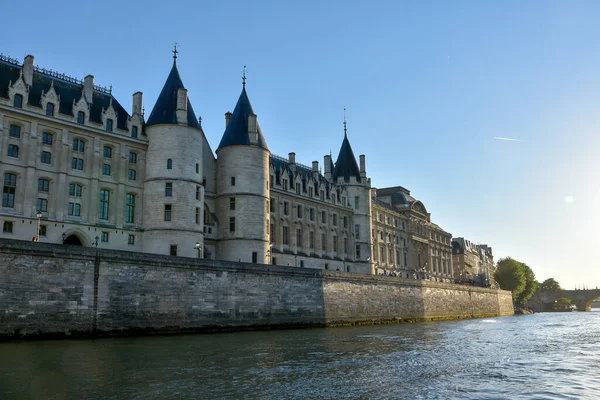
point(54, 290)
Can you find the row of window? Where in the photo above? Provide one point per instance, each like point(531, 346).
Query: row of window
point(311, 213)
point(389, 220)
point(311, 239)
point(312, 189)
point(18, 103)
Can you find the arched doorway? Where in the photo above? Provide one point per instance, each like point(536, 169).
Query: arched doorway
point(72, 240)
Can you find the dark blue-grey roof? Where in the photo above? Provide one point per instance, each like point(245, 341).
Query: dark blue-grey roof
point(236, 132)
point(346, 165)
point(67, 91)
point(165, 108)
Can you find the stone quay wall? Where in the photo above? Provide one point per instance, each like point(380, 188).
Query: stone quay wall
point(49, 290)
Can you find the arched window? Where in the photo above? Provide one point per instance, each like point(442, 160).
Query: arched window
point(9, 190)
point(50, 109)
point(169, 164)
point(47, 138)
point(80, 117)
point(18, 101)
point(13, 150)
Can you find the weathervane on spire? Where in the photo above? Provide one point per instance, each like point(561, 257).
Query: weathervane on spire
point(244, 77)
point(345, 121)
point(175, 51)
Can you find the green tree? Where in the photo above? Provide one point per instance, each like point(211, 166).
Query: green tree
point(510, 275)
point(549, 285)
point(531, 285)
point(562, 303)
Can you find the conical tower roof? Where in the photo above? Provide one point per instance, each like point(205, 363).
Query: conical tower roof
point(236, 132)
point(346, 165)
point(165, 108)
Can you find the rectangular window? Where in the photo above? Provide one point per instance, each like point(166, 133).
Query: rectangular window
point(78, 145)
point(356, 232)
point(43, 230)
point(104, 203)
point(49, 109)
point(134, 130)
point(80, 117)
point(356, 202)
point(285, 235)
point(272, 205)
point(301, 263)
point(232, 224)
point(272, 233)
point(104, 237)
point(232, 203)
point(299, 212)
point(168, 211)
point(7, 227)
point(14, 131)
point(312, 214)
point(198, 192)
point(334, 219)
point(74, 209)
point(106, 169)
point(345, 245)
point(132, 157)
point(77, 163)
point(131, 174)
point(334, 244)
point(323, 217)
point(131, 239)
point(18, 101)
point(357, 253)
point(13, 150)
point(197, 215)
point(109, 125)
point(310, 191)
point(41, 205)
point(311, 240)
point(130, 208)
point(197, 168)
point(322, 195)
point(169, 189)
point(43, 185)
point(107, 152)
point(297, 188)
point(173, 250)
point(285, 184)
point(345, 224)
point(323, 242)
point(74, 190)
point(47, 138)
point(274, 261)
point(299, 237)
point(233, 181)
point(286, 208)
point(254, 257)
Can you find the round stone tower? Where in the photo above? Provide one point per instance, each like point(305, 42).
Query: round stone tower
point(243, 187)
point(173, 191)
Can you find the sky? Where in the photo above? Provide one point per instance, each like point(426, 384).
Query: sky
point(432, 90)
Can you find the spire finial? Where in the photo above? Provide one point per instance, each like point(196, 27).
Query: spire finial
point(244, 77)
point(345, 121)
point(175, 51)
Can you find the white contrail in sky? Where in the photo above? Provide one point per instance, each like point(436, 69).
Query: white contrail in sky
point(508, 139)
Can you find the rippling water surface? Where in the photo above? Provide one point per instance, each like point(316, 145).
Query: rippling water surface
point(542, 356)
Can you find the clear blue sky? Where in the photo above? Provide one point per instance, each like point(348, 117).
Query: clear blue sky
point(428, 86)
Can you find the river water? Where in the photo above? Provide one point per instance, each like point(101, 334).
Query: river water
point(541, 356)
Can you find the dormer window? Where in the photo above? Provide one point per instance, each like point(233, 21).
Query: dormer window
point(134, 131)
point(109, 125)
point(50, 109)
point(80, 117)
point(18, 101)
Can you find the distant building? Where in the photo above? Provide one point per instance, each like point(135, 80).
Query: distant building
point(472, 262)
point(102, 176)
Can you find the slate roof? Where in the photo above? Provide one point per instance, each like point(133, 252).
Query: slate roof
point(346, 165)
point(236, 132)
point(67, 91)
point(165, 108)
point(279, 165)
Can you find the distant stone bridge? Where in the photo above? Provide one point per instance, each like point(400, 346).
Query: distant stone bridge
point(582, 299)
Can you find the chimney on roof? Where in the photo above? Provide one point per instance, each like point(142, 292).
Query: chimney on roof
point(327, 162)
point(136, 107)
point(28, 70)
point(292, 158)
point(363, 171)
point(227, 118)
point(88, 88)
point(252, 129)
point(182, 101)
point(315, 166)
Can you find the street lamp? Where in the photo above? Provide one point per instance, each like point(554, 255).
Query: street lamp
point(295, 261)
point(39, 218)
point(270, 253)
point(198, 248)
point(96, 241)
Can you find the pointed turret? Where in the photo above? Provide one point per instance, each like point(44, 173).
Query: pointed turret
point(242, 126)
point(165, 109)
point(346, 165)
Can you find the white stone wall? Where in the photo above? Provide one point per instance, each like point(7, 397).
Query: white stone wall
point(249, 165)
point(183, 145)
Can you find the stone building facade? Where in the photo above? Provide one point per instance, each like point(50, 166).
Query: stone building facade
point(90, 173)
point(472, 262)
